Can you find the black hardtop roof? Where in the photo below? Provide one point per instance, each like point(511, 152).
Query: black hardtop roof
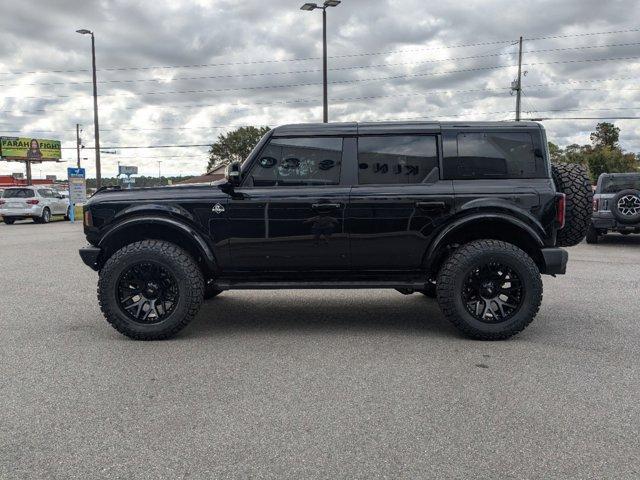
point(354, 128)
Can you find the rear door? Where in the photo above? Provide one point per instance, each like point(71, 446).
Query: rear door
point(399, 200)
point(289, 212)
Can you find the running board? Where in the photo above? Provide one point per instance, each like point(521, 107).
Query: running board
point(272, 285)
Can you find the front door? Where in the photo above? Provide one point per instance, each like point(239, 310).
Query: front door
point(399, 201)
point(289, 212)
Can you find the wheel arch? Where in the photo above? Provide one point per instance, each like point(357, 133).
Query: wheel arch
point(485, 226)
point(154, 227)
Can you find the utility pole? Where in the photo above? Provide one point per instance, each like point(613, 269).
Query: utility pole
point(519, 82)
point(159, 171)
point(78, 143)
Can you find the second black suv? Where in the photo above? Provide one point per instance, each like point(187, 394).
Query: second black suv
point(470, 213)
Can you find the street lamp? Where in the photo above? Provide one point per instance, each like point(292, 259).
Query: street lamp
point(84, 31)
point(312, 6)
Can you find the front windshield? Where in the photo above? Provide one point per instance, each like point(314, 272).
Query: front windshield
point(619, 183)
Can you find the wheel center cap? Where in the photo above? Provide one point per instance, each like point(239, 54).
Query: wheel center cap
point(488, 289)
point(151, 289)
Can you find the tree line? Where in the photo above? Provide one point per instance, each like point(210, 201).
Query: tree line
point(603, 155)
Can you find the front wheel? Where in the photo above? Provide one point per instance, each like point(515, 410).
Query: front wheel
point(8, 221)
point(150, 290)
point(489, 289)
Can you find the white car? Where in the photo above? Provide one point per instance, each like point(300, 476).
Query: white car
point(38, 203)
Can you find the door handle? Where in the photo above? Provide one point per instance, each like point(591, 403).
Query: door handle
point(431, 206)
point(328, 206)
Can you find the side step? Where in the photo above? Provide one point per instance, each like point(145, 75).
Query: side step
point(274, 285)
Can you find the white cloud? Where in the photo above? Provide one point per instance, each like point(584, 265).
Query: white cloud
point(418, 76)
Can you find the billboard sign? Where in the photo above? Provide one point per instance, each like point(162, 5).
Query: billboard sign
point(127, 170)
point(77, 185)
point(25, 148)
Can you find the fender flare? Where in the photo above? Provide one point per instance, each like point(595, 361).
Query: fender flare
point(203, 247)
point(463, 222)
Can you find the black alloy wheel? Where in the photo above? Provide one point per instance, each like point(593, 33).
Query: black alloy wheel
point(493, 292)
point(150, 290)
point(147, 292)
point(489, 289)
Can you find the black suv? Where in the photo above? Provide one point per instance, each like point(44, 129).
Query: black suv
point(470, 213)
point(616, 205)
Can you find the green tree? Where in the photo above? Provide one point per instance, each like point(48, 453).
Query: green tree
point(234, 146)
point(610, 160)
point(557, 154)
point(606, 135)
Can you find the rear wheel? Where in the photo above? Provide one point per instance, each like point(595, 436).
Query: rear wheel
point(592, 235)
point(150, 290)
point(489, 289)
point(45, 217)
point(9, 221)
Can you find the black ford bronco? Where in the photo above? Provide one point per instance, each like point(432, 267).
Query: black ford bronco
point(468, 213)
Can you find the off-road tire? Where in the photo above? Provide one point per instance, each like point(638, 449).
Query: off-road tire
point(572, 180)
point(462, 261)
point(181, 265)
point(615, 211)
point(592, 235)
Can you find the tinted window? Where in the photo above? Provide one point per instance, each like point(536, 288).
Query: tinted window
point(619, 183)
point(298, 161)
point(44, 193)
point(18, 193)
point(396, 159)
point(494, 155)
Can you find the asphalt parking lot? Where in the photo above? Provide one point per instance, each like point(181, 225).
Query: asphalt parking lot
point(315, 384)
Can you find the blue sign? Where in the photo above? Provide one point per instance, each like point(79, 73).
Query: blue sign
point(77, 188)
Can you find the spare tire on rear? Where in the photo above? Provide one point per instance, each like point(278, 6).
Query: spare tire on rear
point(572, 180)
point(625, 206)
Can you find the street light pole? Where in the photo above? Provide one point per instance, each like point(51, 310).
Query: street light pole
point(95, 105)
point(323, 7)
point(325, 101)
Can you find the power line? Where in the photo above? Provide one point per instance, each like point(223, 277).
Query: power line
point(298, 72)
point(352, 55)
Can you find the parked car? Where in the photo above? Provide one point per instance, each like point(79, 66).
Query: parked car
point(38, 203)
point(471, 213)
point(616, 205)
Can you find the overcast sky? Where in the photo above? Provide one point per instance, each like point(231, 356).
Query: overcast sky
point(181, 72)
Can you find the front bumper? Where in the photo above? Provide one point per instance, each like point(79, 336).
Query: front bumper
point(90, 255)
point(555, 261)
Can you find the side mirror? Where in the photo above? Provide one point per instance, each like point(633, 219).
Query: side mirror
point(232, 173)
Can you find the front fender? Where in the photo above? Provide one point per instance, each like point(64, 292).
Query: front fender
point(141, 220)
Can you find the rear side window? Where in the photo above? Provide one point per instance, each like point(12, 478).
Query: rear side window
point(18, 193)
point(45, 193)
point(396, 159)
point(302, 161)
point(494, 155)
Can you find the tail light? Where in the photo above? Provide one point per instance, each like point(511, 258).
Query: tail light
point(561, 208)
point(596, 205)
point(88, 219)
point(33, 202)
point(2, 202)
